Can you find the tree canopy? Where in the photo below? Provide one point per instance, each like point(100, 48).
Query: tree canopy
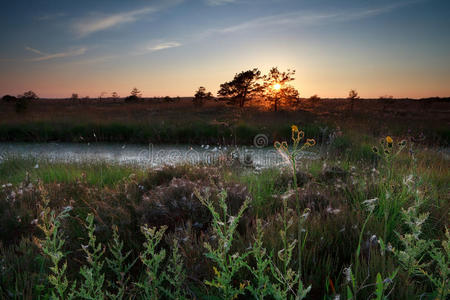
point(243, 87)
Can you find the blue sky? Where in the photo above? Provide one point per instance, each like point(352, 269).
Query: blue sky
point(378, 47)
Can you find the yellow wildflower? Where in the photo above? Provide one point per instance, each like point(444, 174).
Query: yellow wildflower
point(241, 285)
point(294, 128)
point(389, 140)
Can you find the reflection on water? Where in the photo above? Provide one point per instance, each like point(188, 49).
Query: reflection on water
point(151, 155)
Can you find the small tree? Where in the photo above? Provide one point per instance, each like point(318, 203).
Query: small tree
point(74, 97)
point(9, 99)
point(135, 92)
point(242, 88)
point(24, 100)
point(277, 90)
point(115, 96)
point(135, 95)
point(201, 96)
point(352, 96)
point(314, 97)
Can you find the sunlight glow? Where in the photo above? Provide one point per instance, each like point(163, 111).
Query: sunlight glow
point(277, 86)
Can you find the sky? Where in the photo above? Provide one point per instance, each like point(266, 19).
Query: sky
point(171, 47)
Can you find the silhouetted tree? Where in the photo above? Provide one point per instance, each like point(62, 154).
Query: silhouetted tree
point(74, 97)
point(314, 97)
point(135, 95)
point(9, 99)
point(136, 92)
point(352, 96)
point(277, 90)
point(115, 96)
point(167, 99)
point(24, 100)
point(201, 96)
point(243, 87)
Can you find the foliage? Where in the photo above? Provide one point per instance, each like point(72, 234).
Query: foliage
point(201, 96)
point(227, 264)
point(152, 259)
point(276, 89)
point(243, 87)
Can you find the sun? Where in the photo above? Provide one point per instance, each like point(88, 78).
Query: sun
point(277, 86)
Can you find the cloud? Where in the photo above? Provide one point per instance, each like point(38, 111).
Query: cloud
point(95, 23)
point(162, 46)
point(219, 2)
point(50, 16)
point(44, 56)
point(86, 27)
point(313, 17)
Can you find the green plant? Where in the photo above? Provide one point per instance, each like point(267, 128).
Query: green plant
point(224, 226)
point(262, 286)
point(94, 278)
point(52, 246)
point(119, 266)
point(441, 258)
point(291, 157)
point(152, 259)
point(175, 275)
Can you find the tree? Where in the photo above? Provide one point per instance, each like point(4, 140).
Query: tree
point(352, 96)
point(115, 96)
point(74, 97)
point(277, 90)
point(314, 97)
point(201, 96)
point(24, 100)
point(135, 92)
point(242, 88)
point(135, 95)
point(9, 98)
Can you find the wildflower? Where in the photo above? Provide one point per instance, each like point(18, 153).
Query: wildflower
point(34, 222)
point(294, 128)
point(370, 204)
point(241, 285)
point(389, 140)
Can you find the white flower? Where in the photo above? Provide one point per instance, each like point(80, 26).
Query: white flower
point(348, 273)
point(370, 203)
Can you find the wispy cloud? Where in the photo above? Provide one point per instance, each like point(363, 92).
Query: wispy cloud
point(162, 46)
point(50, 16)
point(94, 24)
point(219, 2)
point(313, 17)
point(100, 22)
point(45, 56)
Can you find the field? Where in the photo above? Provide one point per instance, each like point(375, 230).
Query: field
point(369, 219)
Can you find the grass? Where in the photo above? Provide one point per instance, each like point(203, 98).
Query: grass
point(135, 214)
point(15, 170)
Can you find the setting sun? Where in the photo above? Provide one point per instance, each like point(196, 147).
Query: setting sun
point(277, 87)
